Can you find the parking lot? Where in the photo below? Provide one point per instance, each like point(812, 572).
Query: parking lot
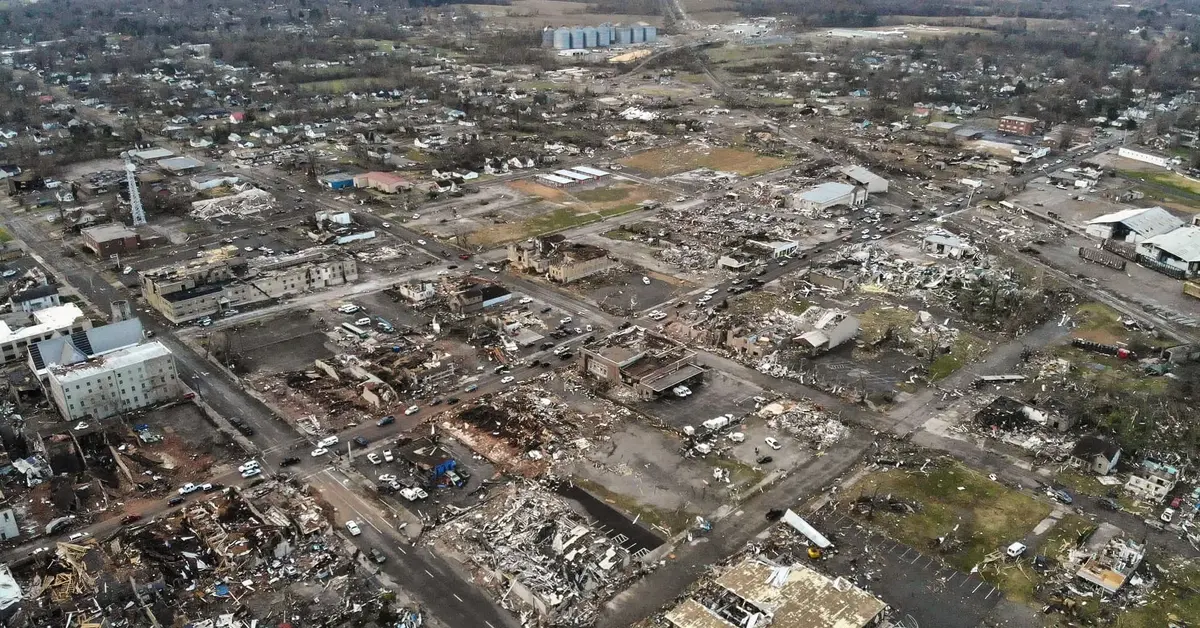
point(915, 584)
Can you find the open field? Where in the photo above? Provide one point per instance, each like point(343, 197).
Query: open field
point(560, 209)
point(538, 13)
point(954, 501)
point(677, 159)
point(341, 86)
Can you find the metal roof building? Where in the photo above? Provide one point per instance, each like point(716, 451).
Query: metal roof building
point(1133, 225)
point(595, 172)
point(1179, 249)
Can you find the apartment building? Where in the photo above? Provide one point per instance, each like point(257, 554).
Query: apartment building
point(121, 381)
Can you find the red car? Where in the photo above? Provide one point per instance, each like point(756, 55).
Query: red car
point(127, 519)
point(464, 256)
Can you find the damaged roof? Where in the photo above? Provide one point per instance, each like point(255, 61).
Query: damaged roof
point(1147, 221)
point(799, 597)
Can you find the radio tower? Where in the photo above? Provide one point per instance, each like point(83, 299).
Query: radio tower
point(135, 197)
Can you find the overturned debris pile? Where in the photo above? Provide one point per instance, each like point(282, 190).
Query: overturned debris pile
point(539, 557)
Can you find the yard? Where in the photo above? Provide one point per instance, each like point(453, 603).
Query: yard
point(972, 515)
point(677, 159)
point(562, 208)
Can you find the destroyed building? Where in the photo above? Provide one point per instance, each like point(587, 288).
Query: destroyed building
point(641, 361)
point(476, 298)
point(559, 260)
point(1096, 454)
point(1152, 481)
point(815, 331)
point(533, 551)
point(225, 280)
point(1006, 413)
point(757, 592)
point(1112, 565)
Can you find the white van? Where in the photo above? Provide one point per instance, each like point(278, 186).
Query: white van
point(328, 441)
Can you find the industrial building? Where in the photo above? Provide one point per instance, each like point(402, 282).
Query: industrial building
point(795, 596)
point(122, 381)
point(829, 195)
point(1178, 251)
point(337, 180)
point(477, 298)
point(179, 165)
point(559, 260)
point(1017, 125)
point(386, 182)
point(1133, 225)
point(110, 239)
point(1144, 156)
point(874, 183)
point(603, 36)
point(62, 320)
point(645, 362)
point(225, 280)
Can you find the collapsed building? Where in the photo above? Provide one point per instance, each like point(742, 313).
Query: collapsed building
point(559, 260)
point(539, 557)
point(224, 280)
point(212, 559)
point(758, 592)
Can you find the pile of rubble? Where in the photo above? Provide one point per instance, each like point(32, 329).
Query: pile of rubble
point(539, 557)
point(247, 201)
point(805, 421)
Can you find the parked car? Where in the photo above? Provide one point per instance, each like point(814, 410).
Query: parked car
point(319, 451)
point(374, 458)
point(1167, 515)
point(361, 442)
point(241, 426)
point(772, 443)
point(387, 420)
point(387, 455)
point(1015, 550)
point(289, 461)
point(411, 410)
point(352, 526)
point(377, 556)
point(175, 501)
point(128, 519)
point(188, 488)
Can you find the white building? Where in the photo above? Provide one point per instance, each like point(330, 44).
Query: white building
point(83, 346)
point(1179, 249)
point(828, 195)
point(1153, 481)
point(34, 298)
point(124, 380)
point(874, 183)
point(418, 291)
point(62, 320)
point(1133, 225)
point(1144, 156)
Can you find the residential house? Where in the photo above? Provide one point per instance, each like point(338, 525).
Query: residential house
point(1096, 454)
point(1152, 481)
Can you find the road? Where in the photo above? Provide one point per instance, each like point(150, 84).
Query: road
point(434, 585)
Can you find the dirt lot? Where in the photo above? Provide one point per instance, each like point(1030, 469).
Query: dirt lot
point(280, 344)
point(677, 159)
point(538, 13)
point(622, 290)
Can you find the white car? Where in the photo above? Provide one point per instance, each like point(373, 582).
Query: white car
point(387, 455)
point(479, 267)
point(421, 242)
point(349, 308)
point(411, 410)
point(711, 291)
point(387, 225)
point(128, 269)
point(79, 535)
point(1015, 550)
point(706, 298)
point(374, 458)
point(772, 443)
point(352, 526)
point(565, 321)
point(525, 300)
point(416, 216)
point(319, 451)
point(646, 280)
point(1167, 515)
point(328, 441)
point(588, 328)
point(413, 494)
point(494, 269)
point(387, 477)
point(249, 473)
point(508, 379)
point(363, 322)
point(188, 488)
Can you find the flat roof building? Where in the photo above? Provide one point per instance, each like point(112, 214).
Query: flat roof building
point(62, 320)
point(1178, 250)
point(113, 238)
point(829, 195)
point(124, 380)
point(874, 183)
point(225, 280)
point(83, 345)
point(647, 363)
point(179, 165)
